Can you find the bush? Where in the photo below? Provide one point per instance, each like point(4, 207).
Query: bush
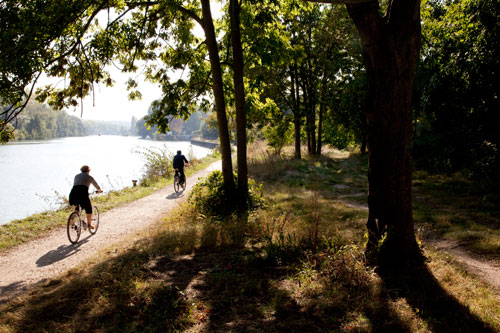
point(158, 163)
point(208, 199)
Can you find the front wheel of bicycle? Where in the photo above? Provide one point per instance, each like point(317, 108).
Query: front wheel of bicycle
point(74, 227)
point(95, 220)
point(184, 184)
point(176, 184)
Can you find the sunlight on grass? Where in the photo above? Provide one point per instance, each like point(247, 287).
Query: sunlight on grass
point(296, 265)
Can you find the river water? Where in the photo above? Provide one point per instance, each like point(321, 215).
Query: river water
point(35, 175)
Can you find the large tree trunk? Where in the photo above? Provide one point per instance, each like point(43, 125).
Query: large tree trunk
point(392, 49)
point(239, 92)
point(220, 106)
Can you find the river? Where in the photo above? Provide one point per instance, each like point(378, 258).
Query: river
point(35, 175)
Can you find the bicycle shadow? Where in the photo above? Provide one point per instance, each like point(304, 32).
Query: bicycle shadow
point(174, 195)
point(62, 252)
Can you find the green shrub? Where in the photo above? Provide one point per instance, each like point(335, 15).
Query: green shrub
point(208, 198)
point(158, 164)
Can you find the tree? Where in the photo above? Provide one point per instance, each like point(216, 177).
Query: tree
point(457, 89)
point(390, 50)
point(71, 43)
point(239, 96)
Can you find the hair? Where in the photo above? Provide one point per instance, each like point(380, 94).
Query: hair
point(84, 168)
point(179, 152)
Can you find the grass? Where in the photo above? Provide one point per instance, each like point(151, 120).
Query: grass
point(38, 225)
point(460, 210)
point(298, 268)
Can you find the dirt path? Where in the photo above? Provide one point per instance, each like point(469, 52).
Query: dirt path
point(26, 265)
point(486, 270)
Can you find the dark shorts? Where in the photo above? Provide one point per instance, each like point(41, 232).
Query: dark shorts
point(181, 173)
point(79, 195)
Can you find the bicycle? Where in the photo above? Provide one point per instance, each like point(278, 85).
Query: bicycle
point(178, 183)
point(77, 221)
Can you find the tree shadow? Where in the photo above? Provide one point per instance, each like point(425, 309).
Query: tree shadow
point(431, 302)
point(171, 283)
point(11, 289)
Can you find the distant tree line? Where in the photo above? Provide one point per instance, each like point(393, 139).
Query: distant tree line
point(198, 124)
point(40, 122)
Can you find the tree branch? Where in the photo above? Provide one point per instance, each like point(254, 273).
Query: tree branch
point(191, 14)
point(342, 2)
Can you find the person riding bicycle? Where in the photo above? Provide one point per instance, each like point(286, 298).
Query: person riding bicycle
point(79, 194)
point(178, 163)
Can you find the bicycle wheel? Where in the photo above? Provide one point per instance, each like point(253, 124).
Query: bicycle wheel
point(95, 220)
point(184, 184)
point(74, 227)
point(176, 184)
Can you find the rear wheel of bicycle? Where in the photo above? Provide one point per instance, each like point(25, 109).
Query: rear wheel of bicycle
point(74, 227)
point(176, 184)
point(95, 220)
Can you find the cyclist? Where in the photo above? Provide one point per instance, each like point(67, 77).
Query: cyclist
point(79, 194)
point(178, 163)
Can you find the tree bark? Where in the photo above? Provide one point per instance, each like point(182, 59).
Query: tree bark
point(322, 105)
point(218, 91)
point(239, 92)
point(392, 48)
point(295, 97)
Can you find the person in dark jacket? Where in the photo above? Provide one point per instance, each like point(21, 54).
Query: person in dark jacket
point(178, 163)
point(79, 194)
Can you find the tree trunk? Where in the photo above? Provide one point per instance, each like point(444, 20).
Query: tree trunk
point(392, 49)
point(239, 92)
point(220, 106)
point(295, 97)
point(362, 149)
point(322, 105)
point(320, 130)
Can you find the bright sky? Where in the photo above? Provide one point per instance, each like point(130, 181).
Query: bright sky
point(112, 103)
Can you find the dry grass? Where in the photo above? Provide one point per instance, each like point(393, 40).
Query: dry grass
point(299, 267)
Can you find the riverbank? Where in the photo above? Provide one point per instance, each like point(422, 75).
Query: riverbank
point(35, 226)
point(35, 175)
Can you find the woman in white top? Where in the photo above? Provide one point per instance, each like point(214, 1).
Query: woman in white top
point(79, 194)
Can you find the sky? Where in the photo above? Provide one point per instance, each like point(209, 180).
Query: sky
point(112, 103)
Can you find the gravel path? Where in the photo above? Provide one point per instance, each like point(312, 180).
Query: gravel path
point(31, 263)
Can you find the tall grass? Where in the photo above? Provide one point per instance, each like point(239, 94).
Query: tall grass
point(299, 268)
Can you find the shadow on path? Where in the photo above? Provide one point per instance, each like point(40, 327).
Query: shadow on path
point(174, 195)
point(61, 253)
point(13, 287)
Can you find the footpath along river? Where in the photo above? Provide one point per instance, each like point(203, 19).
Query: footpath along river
point(38, 261)
point(35, 175)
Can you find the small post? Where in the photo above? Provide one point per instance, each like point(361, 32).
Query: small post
point(134, 182)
